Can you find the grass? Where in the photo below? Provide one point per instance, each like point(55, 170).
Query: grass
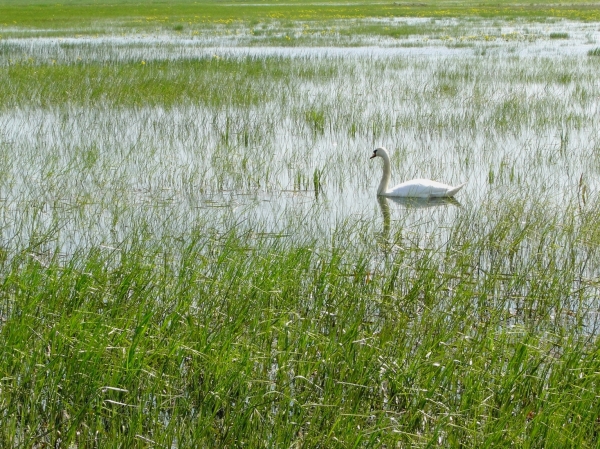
point(96, 16)
point(191, 253)
point(155, 344)
point(151, 83)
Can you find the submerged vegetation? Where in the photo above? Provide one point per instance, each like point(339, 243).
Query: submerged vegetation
point(192, 253)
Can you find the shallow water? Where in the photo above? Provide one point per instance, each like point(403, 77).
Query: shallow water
point(448, 37)
point(515, 117)
point(509, 110)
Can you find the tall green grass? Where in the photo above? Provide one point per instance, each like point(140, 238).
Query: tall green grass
point(231, 339)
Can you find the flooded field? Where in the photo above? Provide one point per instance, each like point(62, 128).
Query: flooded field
point(295, 135)
point(230, 168)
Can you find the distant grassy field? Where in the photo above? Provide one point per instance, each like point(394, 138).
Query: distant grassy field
point(69, 14)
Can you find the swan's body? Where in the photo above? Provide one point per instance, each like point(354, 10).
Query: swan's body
point(417, 188)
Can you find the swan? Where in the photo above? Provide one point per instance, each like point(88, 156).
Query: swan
point(416, 188)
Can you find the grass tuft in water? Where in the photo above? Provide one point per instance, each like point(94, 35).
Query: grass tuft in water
point(559, 35)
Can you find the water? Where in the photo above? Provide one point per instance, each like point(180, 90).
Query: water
point(512, 114)
point(447, 37)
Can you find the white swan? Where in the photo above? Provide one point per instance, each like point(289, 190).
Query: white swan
point(417, 188)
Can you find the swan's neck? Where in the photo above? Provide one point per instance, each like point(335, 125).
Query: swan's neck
point(385, 179)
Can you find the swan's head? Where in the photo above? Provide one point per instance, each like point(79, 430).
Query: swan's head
point(378, 152)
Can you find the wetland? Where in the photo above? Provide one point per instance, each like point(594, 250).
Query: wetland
point(192, 252)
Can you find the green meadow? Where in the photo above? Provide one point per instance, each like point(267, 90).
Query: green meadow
point(93, 15)
point(192, 252)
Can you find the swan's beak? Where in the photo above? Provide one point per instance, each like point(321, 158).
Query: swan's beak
point(374, 155)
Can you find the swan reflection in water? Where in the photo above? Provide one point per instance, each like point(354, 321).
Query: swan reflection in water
point(409, 203)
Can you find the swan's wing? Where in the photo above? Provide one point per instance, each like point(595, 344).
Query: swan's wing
point(423, 188)
point(418, 188)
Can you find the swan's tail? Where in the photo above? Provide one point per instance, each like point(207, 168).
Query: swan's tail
point(454, 190)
